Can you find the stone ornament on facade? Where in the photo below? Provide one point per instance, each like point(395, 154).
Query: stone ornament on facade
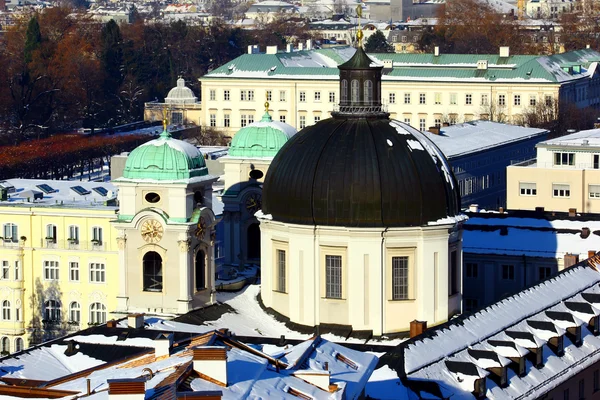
point(97, 297)
point(75, 295)
point(121, 242)
point(184, 245)
point(151, 231)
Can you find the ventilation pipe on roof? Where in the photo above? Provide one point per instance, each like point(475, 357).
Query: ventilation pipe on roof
point(300, 46)
point(289, 48)
point(163, 344)
point(570, 259)
point(210, 363)
point(250, 49)
point(135, 321)
point(436, 51)
point(474, 208)
point(482, 64)
point(308, 44)
point(501, 210)
point(585, 233)
point(504, 51)
point(271, 49)
point(417, 327)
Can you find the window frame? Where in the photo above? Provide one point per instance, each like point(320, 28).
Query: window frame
point(51, 269)
point(14, 232)
point(74, 269)
point(96, 268)
point(76, 310)
point(334, 251)
point(472, 270)
point(561, 190)
point(6, 310)
point(528, 189)
point(97, 309)
point(510, 272)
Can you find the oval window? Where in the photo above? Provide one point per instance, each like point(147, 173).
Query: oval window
point(256, 174)
point(152, 197)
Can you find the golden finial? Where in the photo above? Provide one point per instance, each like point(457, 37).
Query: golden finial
point(266, 106)
point(359, 33)
point(164, 118)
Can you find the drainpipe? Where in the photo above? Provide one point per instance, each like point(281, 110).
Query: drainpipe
point(383, 280)
point(316, 258)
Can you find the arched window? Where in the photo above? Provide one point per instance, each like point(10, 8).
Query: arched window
point(153, 278)
point(52, 310)
point(368, 92)
point(344, 90)
point(253, 244)
point(74, 312)
point(355, 91)
point(6, 310)
point(200, 270)
point(18, 344)
point(5, 345)
point(97, 313)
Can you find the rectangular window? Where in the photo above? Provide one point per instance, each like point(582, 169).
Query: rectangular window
point(437, 122)
point(243, 120)
point(594, 191)
point(528, 189)
point(269, 95)
point(226, 95)
point(561, 190)
point(17, 271)
point(73, 234)
point(11, 233)
point(282, 95)
point(422, 124)
point(502, 100)
point(437, 98)
point(517, 100)
point(548, 100)
point(213, 120)
point(281, 271)
point(302, 121)
point(406, 98)
point(97, 235)
point(74, 271)
point(422, 98)
point(226, 121)
point(176, 118)
point(472, 270)
point(212, 94)
point(317, 96)
point(282, 118)
point(485, 100)
point(532, 100)
point(250, 95)
point(471, 304)
point(400, 278)
point(453, 98)
point(97, 273)
point(243, 95)
point(51, 270)
point(302, 97)
point(407, 121)
point(454, 273)
point(596, 161)
point(392, 98)
point(564, 159)
point(468, 99)
point(508, 272)
point(51, 233)
point(250, 118)
point(544, 272)
point(333, 277)
point(5, 270)
point(332, 97)
point(317, 118)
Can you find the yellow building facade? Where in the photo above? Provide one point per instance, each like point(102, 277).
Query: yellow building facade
point(59, 264)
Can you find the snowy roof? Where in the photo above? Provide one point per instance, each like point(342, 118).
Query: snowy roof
point(75, 194)
point(469, 137)
point(588, 138)
point(447, 360)
point(103, 354)
point(530, 235)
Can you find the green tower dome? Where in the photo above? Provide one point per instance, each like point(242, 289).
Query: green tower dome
point(261, 139)
point(165, 159)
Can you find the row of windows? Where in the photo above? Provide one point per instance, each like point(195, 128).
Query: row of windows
point(152, 271)
point(11, 233)
point(558, 190)
point(53, 313)
point(6, 345)
point(248, 95)
point(568, 159)
point(468, 99)
point(508, 271)
point(6, 312)
point(97, 271)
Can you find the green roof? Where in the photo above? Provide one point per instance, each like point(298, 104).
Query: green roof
point(261, 139)
point(165, 159)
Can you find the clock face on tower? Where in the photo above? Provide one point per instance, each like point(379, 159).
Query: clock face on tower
point(152, 231)
point(254, 203)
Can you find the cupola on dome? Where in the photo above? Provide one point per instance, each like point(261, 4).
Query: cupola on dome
point(181, 94)
point(261, 139)
point(359, 168)
point(165, 159)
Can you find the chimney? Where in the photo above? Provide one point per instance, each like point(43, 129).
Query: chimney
point(436, 51)
point(210, 362)
point(163, 344)
point(569, 260)
point(417, 328)
point(585, 233)
point(300, 46)
point(591, 253)
point(127, 388)
point(445, 124)
point(289, 48)
point(482, 64)
point(501, 210)
point(135, 321)
point(435, 130)
point(320, 379)
point(271, 49)
point(308, 44)
point(474, 208)
point(587, 46)
point(480, 388)
point(504, 51)
point(250, 49)
point(572, 212)
point(111, 324)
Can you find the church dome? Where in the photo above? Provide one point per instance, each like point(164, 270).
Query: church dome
point(261, 139)
point(181, 94)
point(359, 168)
point(165, 159)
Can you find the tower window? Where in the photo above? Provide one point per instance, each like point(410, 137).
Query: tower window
point(200, 270)
point(355, 95)
point(281, 270)
point(399, 278)
point(368, 92)
point(344, 90)
point(153, 276)
point(333, 277)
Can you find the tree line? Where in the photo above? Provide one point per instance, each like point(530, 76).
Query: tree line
point(63, 70)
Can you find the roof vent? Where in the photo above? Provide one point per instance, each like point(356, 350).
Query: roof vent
point(436, 51)
point(289, 48)
point(308, 44)
point(570, 259)
point(585, 232)
point(417, 327)
point(135, 321)
point(300, 46)
point(163, 344)
point(320, 379)
point(504, 51)
point(271, 49)
point(482, 64)
point(131, 388)
point(210, 363)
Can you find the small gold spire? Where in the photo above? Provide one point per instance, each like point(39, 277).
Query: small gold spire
point(164, 118)
point(359, 33)
point(266, 106)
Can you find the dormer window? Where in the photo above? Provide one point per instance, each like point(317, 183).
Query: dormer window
point(562, 159)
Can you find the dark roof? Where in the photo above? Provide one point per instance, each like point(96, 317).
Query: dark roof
point(360, 60)
point(359, 172)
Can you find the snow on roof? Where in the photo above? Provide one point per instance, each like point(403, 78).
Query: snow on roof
point(589, 138)
point(528, 236)
point(470, 137)
point(62, 195)
point(282, 126)
point(184, 147)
